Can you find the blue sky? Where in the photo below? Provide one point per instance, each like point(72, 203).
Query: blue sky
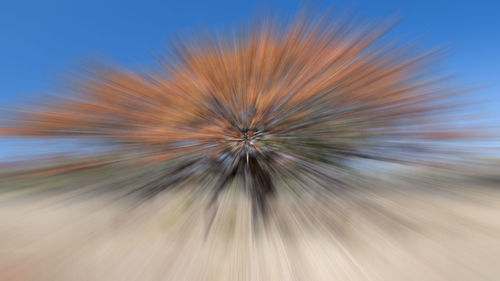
point(40, 40)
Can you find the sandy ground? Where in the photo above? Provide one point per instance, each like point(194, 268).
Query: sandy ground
point(388, 235)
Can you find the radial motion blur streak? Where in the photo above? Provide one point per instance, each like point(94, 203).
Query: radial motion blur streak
point(252, 157)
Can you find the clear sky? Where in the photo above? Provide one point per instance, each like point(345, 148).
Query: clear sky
point(39, 40)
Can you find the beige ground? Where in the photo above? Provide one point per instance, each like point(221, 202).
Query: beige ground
point(390, 235)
